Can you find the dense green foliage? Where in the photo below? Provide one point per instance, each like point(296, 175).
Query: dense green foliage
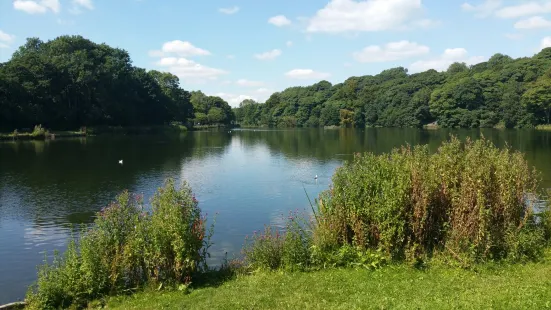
point(467, 203)
point(71, 82)
point(210, 110)
point(501, 92)
point(470, 200)
point(128, 248)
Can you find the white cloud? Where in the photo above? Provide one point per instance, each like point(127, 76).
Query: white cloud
point(289, 43)
point(84, 3)
point(268, 55)
point(534, 22)
point(279, 20)
point(368, 15)
point(484, 9)
point(545, 42)
point(443, 61)
point(5, 37)
point(155, 53)
point(524, 9)
point(79, 4)
point(264, 91)
point(3, 45)
point(37, 7)
point(347, 64)
point(229, 11)
point(258, 95)
point(179, 48)
point(390, 52)
point(189, 70)
point(233, 99)
point(306, 74)
point(230, 57)
point(248, 83)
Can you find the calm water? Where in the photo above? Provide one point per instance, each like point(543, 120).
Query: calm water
point(249, 177)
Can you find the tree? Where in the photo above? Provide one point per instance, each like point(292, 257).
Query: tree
point(69, 82)
point(538, 97)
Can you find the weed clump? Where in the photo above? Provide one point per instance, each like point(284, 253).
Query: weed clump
point(471, 201)
point(468, 202)
point(126, 249)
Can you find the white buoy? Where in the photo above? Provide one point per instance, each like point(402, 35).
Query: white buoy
point(316, 177)
point(120, 161)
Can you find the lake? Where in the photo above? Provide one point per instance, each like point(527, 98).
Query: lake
point(248, 177)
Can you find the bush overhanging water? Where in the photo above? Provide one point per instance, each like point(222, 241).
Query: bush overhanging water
point(467, 202)
point(127, 248)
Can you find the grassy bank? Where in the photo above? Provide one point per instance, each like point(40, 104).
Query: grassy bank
point(543, 127)
point(49, 135)
point(202, 127)
point(137, 130)
point(40, 133)
point(504, 287)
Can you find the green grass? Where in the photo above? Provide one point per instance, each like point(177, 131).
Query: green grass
point(394, 287)
point(30, 136)
point(544, 127)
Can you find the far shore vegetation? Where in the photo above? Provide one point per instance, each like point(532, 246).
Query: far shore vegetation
point(70, 82)
point(466, 219)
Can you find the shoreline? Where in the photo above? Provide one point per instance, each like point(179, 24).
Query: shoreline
point(107, 130)
point(14, 305)
point(169, 129)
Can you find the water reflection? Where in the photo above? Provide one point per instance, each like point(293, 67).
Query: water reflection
point(249, 177)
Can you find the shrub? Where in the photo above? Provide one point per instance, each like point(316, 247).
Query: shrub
point(274, 249)
point(127, 248)
point(467, 200)
point(38, 131)
point(264, 250)
point(294, 249)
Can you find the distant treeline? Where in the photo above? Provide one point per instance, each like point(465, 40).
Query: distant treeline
point(502, 92)
point(70, 82)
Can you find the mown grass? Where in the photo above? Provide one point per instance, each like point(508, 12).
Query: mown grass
point(393, 287)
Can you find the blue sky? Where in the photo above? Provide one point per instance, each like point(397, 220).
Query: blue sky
point(240, 49)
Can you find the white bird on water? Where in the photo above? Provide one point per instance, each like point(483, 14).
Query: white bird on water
point(120, 161)
point(316, 177)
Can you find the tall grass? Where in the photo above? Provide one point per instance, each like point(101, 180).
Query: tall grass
point(126, 249)
point(468, 202)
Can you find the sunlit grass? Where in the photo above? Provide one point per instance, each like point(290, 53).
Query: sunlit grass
point(393, 287)
point(544, 127)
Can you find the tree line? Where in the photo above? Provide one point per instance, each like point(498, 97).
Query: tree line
point(70, 82)
point(501, 92)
